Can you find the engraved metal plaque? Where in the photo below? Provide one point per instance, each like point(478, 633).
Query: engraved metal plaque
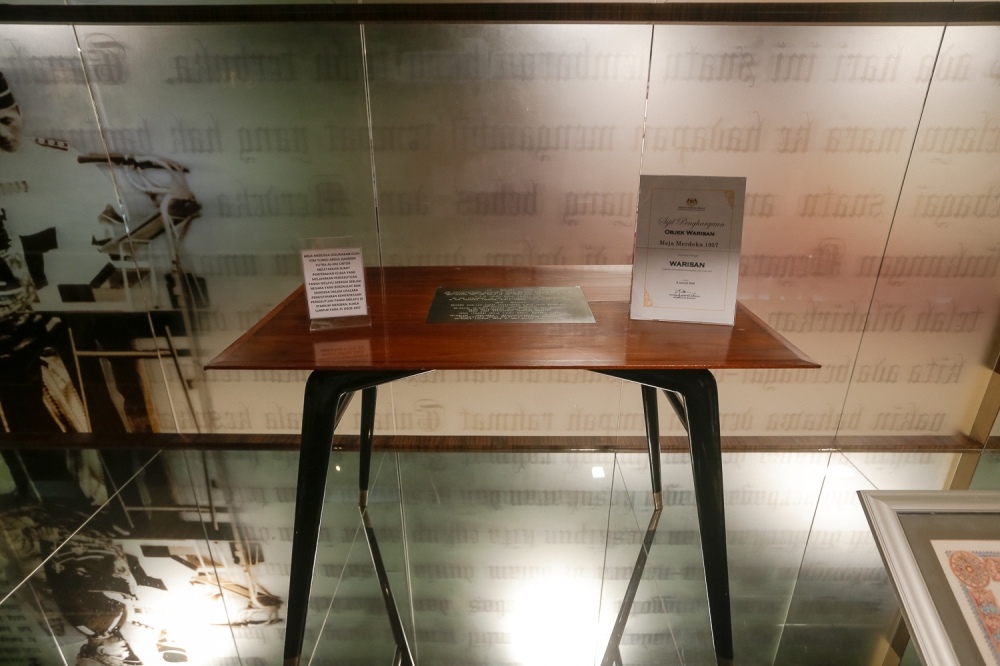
point(518, 305)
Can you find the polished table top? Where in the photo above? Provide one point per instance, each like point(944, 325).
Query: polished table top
point(399, 339)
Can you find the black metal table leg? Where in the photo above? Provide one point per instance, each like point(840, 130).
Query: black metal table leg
point(698, 409)
point(403, 656)
point(326, 399)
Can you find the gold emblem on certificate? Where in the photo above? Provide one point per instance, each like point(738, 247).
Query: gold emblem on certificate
point(687, 248)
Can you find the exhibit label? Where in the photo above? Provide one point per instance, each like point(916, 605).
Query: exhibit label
point(514, 305)
point(335, 282)
point(687, 248)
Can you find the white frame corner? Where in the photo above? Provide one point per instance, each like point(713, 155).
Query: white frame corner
point(921, 616)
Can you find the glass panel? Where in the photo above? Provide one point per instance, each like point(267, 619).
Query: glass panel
point(31, 625)
point(819, 120)
point(987, 476)
point(248, 524)
point(843, 603)
point(70, 300)
point(895, 470)
point(133, 584)
point(238, 540)
point(843, 609)
point(348, 618)
point(924, 369)
point(511, 402)
point(507, 145)
point(29, 635)
point(347, 613)
point(770, 499)
point(506, 553)
point(254, 115)
point(669, 619)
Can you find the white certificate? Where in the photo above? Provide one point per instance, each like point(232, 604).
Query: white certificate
point(687, 248)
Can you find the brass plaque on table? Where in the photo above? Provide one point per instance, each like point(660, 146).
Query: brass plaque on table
point(518, 305)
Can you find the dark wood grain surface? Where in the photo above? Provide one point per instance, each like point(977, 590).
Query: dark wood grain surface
point(398, 338)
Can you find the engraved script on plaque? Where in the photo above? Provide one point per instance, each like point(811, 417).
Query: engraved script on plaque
point(520, 305)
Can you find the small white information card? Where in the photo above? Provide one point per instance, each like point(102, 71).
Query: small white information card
point(335, 282)
point(687, 248)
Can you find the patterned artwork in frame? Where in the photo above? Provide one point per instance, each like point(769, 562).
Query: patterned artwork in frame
point(973, 572)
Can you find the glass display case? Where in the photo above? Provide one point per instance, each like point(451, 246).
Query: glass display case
point(159, 165)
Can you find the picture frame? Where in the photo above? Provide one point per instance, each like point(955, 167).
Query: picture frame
point(904, 524)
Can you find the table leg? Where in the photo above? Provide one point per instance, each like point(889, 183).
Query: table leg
point(612, 655)
point(701, 400)
point(698, 409)
point(403, 656)
point(326, 399)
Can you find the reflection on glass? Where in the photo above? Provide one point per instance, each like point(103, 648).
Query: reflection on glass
point(267, 127)
point(924, 369)
point(507, 145)
point(347, 615)
point(130, 583)
point(819, 119)
point(669, 620)
point(987, 475)
point(506, 554)
point(72, 302)
point(500, 557)
point(841, 584)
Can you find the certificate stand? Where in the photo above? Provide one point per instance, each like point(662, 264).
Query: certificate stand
point(334, 323)
point(334, 243)
point(673, 357)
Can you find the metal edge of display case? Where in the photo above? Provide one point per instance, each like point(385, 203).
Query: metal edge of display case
point(838, 13)
point(916, 603)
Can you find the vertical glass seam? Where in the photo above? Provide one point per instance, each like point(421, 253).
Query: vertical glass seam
point(208, 546)
point(406, 557)
point(343, 569)
point(645, 112)
point(805, 550)
point(347, 558)
point(371, 139)
point(607, 541)
point(888, 235)
point(656, 584)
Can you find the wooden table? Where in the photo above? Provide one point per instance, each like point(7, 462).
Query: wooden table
point(659, 355)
